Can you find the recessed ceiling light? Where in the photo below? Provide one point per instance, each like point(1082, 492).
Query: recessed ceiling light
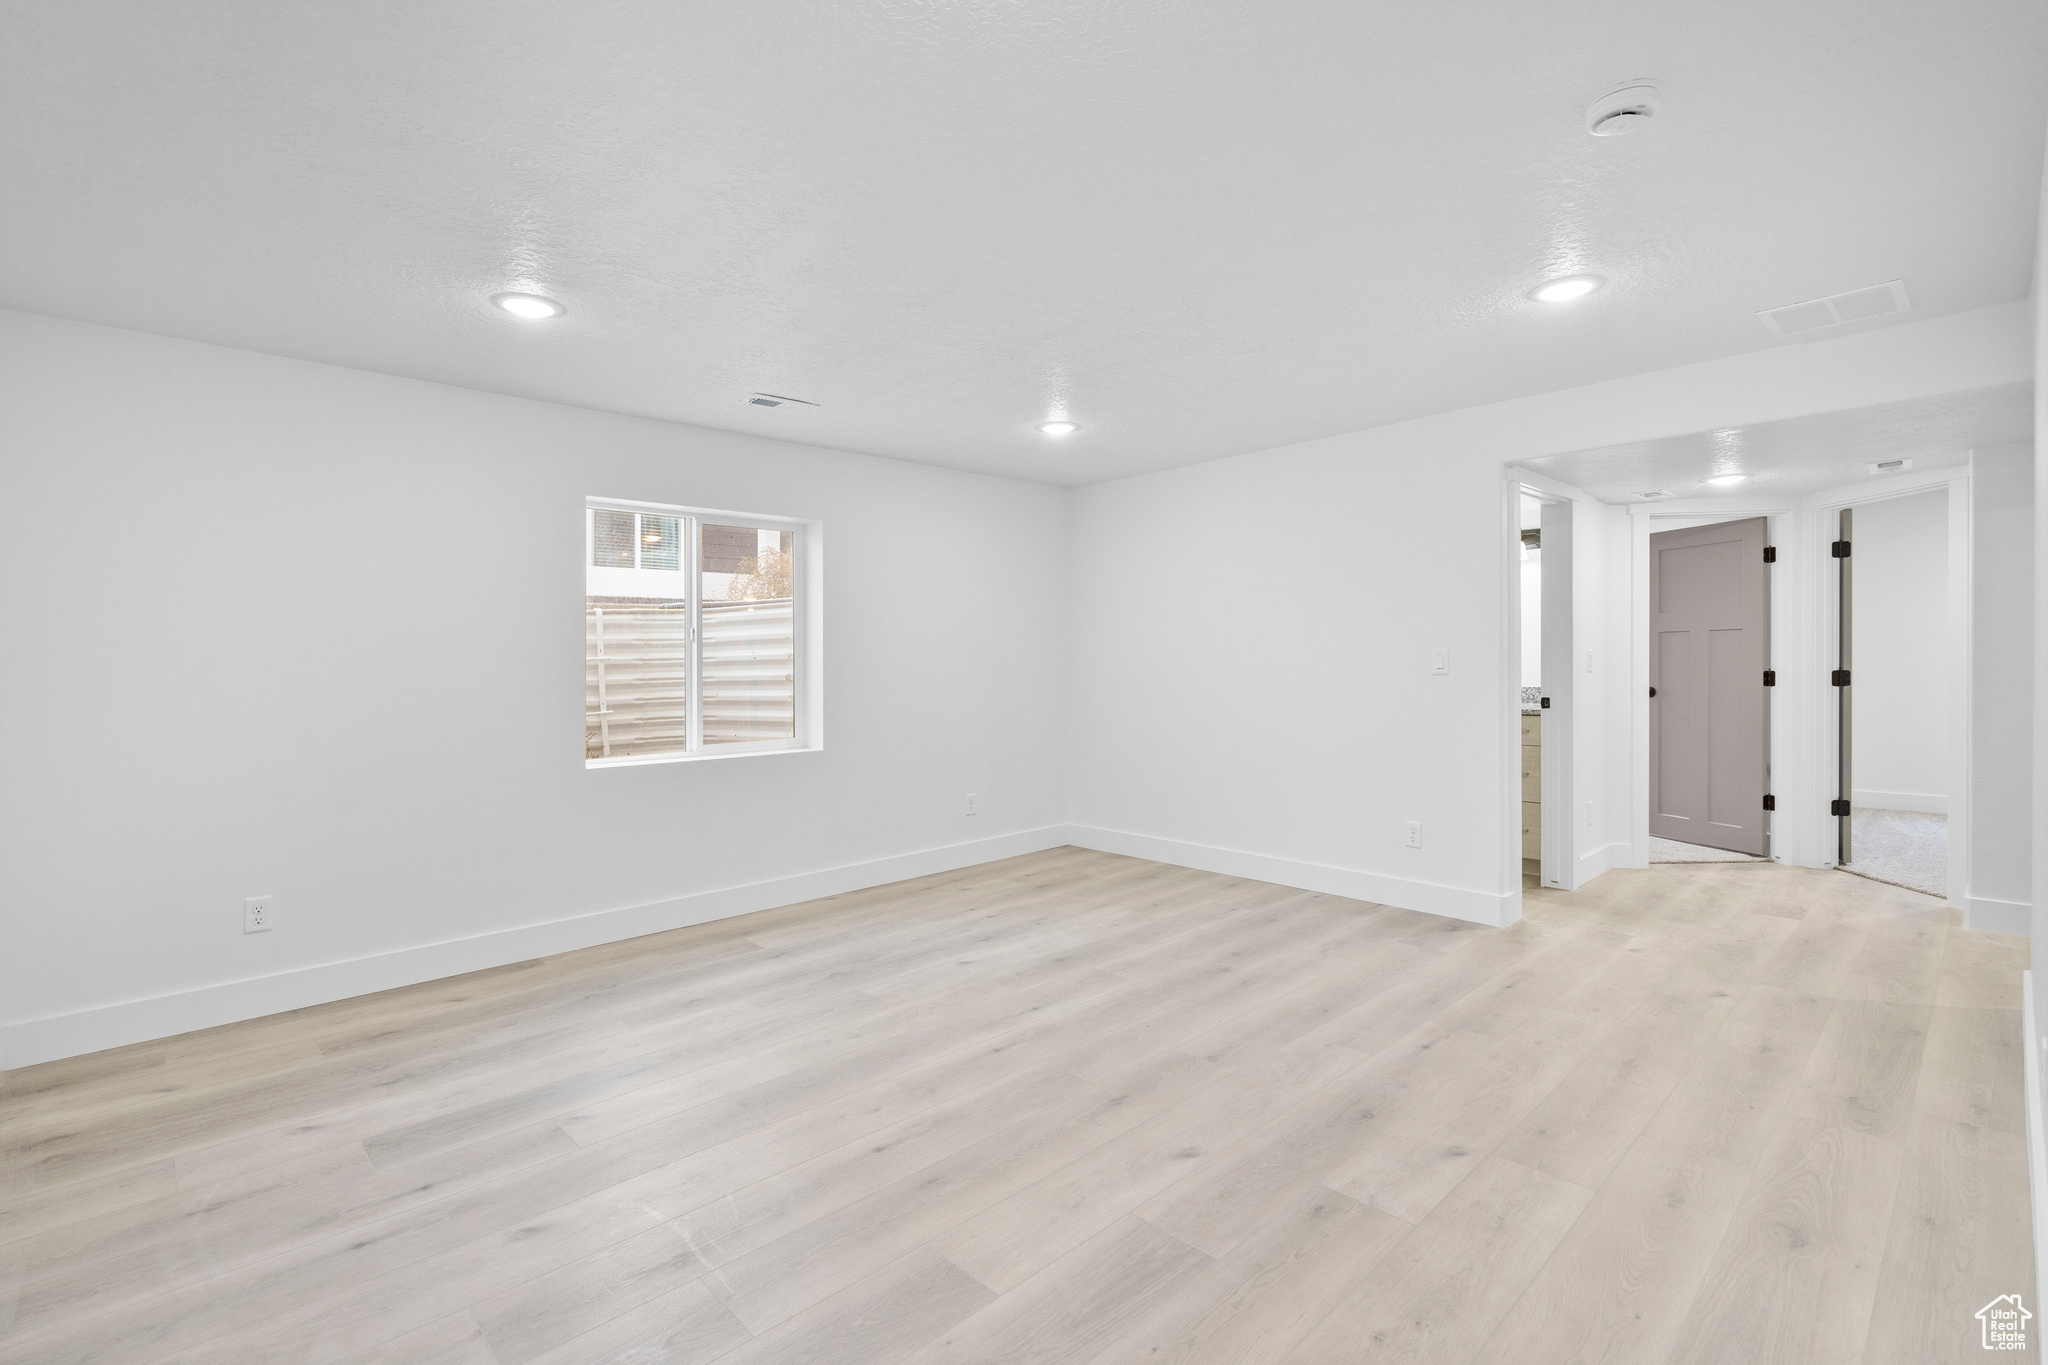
point(1058, 428)
point(530, 306)
point(1565, 290)
point(1727, 478)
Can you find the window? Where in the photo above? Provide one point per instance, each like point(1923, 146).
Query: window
point(691, 632)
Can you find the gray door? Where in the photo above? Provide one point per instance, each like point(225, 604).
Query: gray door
point(1710, 625)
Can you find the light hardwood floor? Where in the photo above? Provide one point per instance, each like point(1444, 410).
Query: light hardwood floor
point(1079, 1108)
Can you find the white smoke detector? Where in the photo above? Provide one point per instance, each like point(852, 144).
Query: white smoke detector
point(1626, 109)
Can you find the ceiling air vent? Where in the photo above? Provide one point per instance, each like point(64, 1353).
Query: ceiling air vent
point(1890, 466)
point(777, 400)
point(1626, 109)
point(1654, 494)
point(1879, 300)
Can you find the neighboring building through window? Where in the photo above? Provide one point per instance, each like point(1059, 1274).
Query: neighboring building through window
point(690, 626)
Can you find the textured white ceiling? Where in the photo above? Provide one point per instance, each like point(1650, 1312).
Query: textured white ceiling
point(1197, 226)
point(1802, 455)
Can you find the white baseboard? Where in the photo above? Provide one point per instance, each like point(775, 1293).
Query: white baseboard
point(1996, 916)
point(1603, 859)
point(1480, 907)
point(28, 1041)
point(2037, 1136)
point(1927, 803)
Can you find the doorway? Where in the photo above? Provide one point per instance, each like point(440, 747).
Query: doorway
point(1530, 558)
point(1547, 689)
point(1891, 560)
point(1801, 483)
point(1709, 634)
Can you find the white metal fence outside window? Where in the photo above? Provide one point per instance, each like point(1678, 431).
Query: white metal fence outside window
point(691, 633)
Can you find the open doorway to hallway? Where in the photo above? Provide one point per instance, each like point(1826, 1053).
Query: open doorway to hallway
point(1939, 494)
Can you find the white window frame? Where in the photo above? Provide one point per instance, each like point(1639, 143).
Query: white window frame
point(805, 563)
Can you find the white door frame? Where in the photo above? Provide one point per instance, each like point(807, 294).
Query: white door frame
point(1559, 862)
point(1563, 865)
point(1510, 832)
point(1804, 721)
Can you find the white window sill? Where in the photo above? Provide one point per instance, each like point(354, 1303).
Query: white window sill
point(704, 756)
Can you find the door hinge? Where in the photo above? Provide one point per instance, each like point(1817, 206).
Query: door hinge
point(1838, 808)
point(1770, 554)
point(1770, 677)
point(1840, 549)
point(1839, 678)
point(1770, 802)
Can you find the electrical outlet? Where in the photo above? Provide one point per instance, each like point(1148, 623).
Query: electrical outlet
point(1589, 815)
point(256, 914)
point(1415, 834)
point(970, 803)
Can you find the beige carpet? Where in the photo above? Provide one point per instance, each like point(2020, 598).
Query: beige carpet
point(1898, 847)
point(1902, 847)
point(1673, 851)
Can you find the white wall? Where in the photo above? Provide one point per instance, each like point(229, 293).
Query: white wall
point(2036, 1004)
point(278, 627)
point(2001, 684)
point(1296, 715)
point(1900, 741)
point(1530, 516)
point(1289, 726)
point(2038, 820)
point(1532, 617)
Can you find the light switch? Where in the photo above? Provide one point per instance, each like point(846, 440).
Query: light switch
point(1440, 661)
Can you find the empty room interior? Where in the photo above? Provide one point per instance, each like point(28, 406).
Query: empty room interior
point(1021, 682)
